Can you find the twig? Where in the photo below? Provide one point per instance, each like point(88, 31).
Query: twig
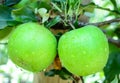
point(107, 9)
point(100, 23)
point(115, 42)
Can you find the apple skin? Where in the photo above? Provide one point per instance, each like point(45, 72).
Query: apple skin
point(83, 51)
point(32, 47)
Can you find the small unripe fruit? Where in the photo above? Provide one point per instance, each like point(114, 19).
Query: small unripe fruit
point(32, 47)
point(83, 51)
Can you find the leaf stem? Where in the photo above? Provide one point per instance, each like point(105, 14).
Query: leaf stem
point(54, 5)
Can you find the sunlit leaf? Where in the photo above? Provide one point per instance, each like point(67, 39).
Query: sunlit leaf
point(114, 4)
point(43, 13)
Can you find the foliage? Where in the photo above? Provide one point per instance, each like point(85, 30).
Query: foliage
point(3, 55)
point(63, 73)
point(67, 15)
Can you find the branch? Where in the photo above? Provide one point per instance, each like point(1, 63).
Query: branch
point(115, 42)
point(100, 23)
point(107, 9)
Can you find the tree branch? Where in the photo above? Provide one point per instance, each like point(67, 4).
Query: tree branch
point(107, 9)
point(100, 23)
point(115, 42)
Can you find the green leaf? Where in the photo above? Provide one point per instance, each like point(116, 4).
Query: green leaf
point(52, 22)
point(113, 67)
point(43, 4)
point(73, 2)
point(24, 14)
point(63, 73)
point(11, 2)
point(13, 23)
point(5, 32)
point(118, 5)
point(114, 4)
point(5, 16)
point(89, 7)
point(117, 32)
point(56, 7)
point(113, 48)
point(43, 13)
point(50, 73)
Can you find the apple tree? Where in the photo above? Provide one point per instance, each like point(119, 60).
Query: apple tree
point(70, 39)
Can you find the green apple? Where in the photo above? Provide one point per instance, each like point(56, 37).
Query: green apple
point(83, 51)
point(32, 47)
